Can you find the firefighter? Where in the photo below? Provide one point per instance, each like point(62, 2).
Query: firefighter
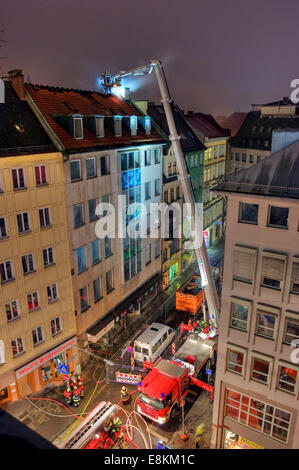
point(68, 396)
point(76, 396)
point(116, 426)
point(199, 435)
point(73, 382)
point(124, 395)
point(81, 385)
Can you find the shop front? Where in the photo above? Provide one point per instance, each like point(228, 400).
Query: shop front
point(234, 441)
point(171, 270)
point(48, 368)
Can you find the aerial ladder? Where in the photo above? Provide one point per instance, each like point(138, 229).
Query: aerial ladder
point(207, 280)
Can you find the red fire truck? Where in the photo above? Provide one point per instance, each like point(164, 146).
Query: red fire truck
point(165, 387)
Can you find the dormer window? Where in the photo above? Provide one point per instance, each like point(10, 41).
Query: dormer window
point(147, 125)
point(100, 131)
point(78, 127)
point(117, 126)
point(133, 125)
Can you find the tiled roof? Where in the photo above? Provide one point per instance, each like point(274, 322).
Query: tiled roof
point(232, 122)
point(20, 131)
point(206, 125)
point(53, 102)
point(276, 175)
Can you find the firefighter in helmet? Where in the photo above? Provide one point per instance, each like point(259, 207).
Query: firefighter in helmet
point(124, 395)
point(81, 385)
point(116, 426)
point(76, 396)
point(68, 395)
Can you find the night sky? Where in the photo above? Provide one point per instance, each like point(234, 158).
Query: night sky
point(219, 55)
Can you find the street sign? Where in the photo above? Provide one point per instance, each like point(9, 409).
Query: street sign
point(64, 369)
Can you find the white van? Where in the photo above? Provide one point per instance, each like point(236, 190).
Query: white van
point(152, 342)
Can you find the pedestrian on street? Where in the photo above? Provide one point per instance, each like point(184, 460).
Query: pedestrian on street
point(76, 396)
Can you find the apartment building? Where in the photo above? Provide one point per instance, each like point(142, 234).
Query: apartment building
point(215, 139)
point(253, 141)
point(110, 150)
point(256, 391)
point(177, 252)
point(37, 322)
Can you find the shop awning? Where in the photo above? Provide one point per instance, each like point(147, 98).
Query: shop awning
point(104, 324)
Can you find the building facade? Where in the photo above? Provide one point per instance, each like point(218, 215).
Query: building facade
point(256, 389)
point(37, 322)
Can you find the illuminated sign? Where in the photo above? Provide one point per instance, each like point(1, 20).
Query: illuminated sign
point(46, 357)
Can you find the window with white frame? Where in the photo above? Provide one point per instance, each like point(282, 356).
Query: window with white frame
point(291, 329)
point(56, 326)
point(239, 314)
point(287, 378)
point(3, 228)
point(133, 125)
point(147, 157)
point(235, 360)
point(295, 276)
point(157, 155)
point(266, 321)
point(18, 178)
point(6, 271)
point(147, 125)
point(28, 263)
point(75, 169)
point(40, 175)
point(23, 222)
point(273, 269)
point(52, 292)
point(105, 165)
point(78, 127)
point(117, 126)
point(91, 167)
point(48, 257)
point(12, 310)
point(260, 369)
point(33, 301)
point(17, 346)
point(100, 130)
point(260, 416)
point(44, 217)
point(244, 262)
point(37, 336)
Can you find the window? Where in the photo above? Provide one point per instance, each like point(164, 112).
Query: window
point(91, 167)
point(106, 201)
point(244, 264)
point(148, 254)
point(171, 194)
point(133, 125)
point(265, 325)
point(147, 157)
point(235, 361)
point(28, 263)
point(3, 229)
point(6, 271)
point(78, 215)
point(17, 346)
point(248, 213)
point(81, 259)
point(291, 331)
point(147, 190)
point(84, 298)
point(33, 301)
point(278, 217)
point(295, 277)
point(105, 165)
point(44, 217)
point(75, 167)
point(117, 126)
point(287, 379)
point(52, 293)
point(215, 152)
point(48, 257)
point(56, 326)
point(18, 178)
point(78, 127)
point(157, 187)
point(37, 335)
point(12, 310)
point(260, 369)
point(166, 196)
point(273, 271)
point(95, 251)
point(23, 222)
point(92, 204)
point(251, 158)
point(97, 289)
point(157, 155)
point(157, 248)
point(107, 247)
point(147, 125)
point(257, 415)
point(100, 131)
point(178, 192)
point(244, 157)
point(109, 281)
point(40, 175)
point(239, 316)
point(237, 157)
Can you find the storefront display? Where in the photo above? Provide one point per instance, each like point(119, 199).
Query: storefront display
point(233, 441)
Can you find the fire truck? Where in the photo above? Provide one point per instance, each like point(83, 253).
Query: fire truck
point(95, 430)
point(189, 297)
point(165, 387)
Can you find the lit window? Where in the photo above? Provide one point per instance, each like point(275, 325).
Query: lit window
point(239, 316)
point(291, 332)
point(56, 326)
point(33, 301)
point(260, 370)
point(265, 326)
point(235, 361)
point(287, 379)
point(17, 346)
point(12, 310)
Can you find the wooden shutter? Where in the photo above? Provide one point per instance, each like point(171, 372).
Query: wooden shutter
point(273, 268)
point(244, 264)
point(295, 272)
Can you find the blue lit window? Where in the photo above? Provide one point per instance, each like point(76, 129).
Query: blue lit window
point(124, 181)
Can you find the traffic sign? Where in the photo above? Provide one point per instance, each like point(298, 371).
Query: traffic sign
point(64, 369)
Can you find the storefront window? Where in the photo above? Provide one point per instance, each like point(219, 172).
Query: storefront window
point(46, 372)
point(58, 361)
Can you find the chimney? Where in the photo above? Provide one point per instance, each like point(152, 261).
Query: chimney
point(16, 78)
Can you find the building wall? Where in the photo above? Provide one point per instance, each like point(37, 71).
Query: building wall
point(252, 240)
point(241, 158)
point(31, 199)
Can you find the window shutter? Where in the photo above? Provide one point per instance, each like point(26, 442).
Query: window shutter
point(244, 263)
point(273, 268)
point(295, 272)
